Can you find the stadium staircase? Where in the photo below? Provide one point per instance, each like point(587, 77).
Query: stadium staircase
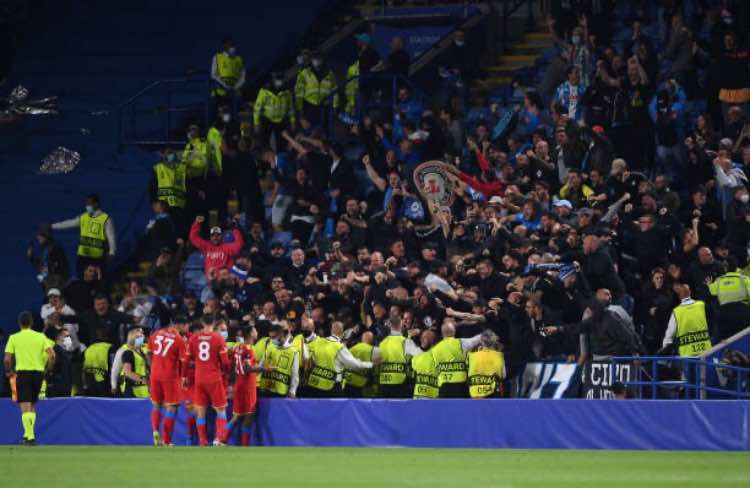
point(95, 55)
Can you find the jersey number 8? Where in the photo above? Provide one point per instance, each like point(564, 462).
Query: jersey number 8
point(204, 350)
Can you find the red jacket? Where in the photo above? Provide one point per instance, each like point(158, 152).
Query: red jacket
point(216, 256)
point(489, 189)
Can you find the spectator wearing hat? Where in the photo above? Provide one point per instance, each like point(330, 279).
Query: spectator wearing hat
point(67, 316)
point(217, 253)
point(48, 258)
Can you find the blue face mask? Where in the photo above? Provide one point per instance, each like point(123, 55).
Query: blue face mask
point(224, 334)
point(171, 157)
point(90, 209)
point(138, 341)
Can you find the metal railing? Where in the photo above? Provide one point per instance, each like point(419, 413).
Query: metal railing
point(684, 377)
point(163, 102)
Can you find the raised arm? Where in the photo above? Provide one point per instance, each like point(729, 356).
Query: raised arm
point(376, 179)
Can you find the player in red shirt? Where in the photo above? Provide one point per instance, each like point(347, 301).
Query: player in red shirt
point(245, 369)
point(188, 389)
point(166, 348)
point(208, 351)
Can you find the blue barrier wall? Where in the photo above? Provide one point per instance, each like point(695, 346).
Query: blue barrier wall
point(551, 424)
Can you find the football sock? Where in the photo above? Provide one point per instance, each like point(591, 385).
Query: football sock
point(221, 426)
point(245, 435)
point(169, 418)
point(28, 419)
point(155, 418)
point(202, 433)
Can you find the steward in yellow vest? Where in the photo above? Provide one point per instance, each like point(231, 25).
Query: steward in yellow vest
point(450, 360)
point(170, 176)
point(134, 374)
point(359, 382)
point(732, 290)
point(227, 71)
point(195, 154)
point(486, 368)
point(691, 336)
point(424, 370)
point(279, 354)
point(97, 235)
point(96, 364)
point(395, 353)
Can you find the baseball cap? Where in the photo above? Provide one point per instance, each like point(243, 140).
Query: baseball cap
point(53, 292)
point(216, 230)
point(563, 203)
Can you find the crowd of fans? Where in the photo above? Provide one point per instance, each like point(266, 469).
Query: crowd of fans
point(582, 216)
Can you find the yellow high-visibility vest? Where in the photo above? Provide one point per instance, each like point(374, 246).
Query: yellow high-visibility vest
point(170, 180)
point(93, 240)
point(139, 368)
point(425, 376)
point(692, 335)
point(450, 361)
point(282, 359)
point(393, 368)
point(352, 87)
point(323, 373)
point(195, 157)
point(360, 378)
point(731, 288)
point(313, 90)
point(229, 69)
point(214, 157)
point(273, 106)
point(485, 367)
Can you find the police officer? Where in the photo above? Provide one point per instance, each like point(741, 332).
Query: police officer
point(450, 360)
point(395, 353)
point(134, 373)
point(27, 355)
point(273, 111)
point(227, 74)
point(486, 367)
point(732, 290)
point(97, 239)
point(328, 359)
point(313, 90)
point(423, 368)
point(688, 325)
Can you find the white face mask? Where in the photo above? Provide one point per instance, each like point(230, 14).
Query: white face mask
point(226, 118)
point(278, 83)
point(576, 39)
point(300, 60)
point(317, 63)
point(459, 43)
point(224, 334)
point(171, 157)
point(240, 340)
point(232, 51)
point(67, 344)
point(744, 198)
point(138, 341)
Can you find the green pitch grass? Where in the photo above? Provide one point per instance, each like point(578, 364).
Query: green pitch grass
point(58, 467)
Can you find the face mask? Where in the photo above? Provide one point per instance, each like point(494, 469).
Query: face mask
point(90, 209)
point(276, 342)
point(317, 63)
point(744, 198)
point(306, 333)
point(232, 50)
point(67, 344)
point(189, 136)
point(226, 118)
point(459, 43)
point(727, 20)
point(171, 157)
point(138, 341)
point(278, 83)
point(224, 334)
point(300, 60)
point(576, 39)
point(240, 340)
